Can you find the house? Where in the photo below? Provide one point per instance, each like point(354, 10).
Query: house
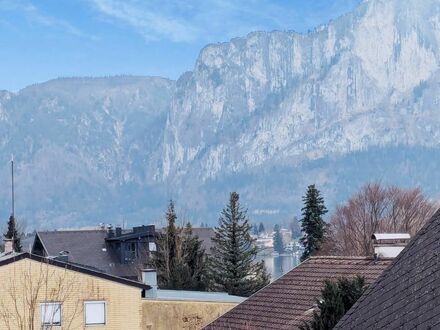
point(114, 251)
point(406, 295)
point(176, 309)
point(204, 234)
point(290, 300)
point(38, 293)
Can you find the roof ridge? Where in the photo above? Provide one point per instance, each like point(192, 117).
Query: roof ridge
point(71, 231)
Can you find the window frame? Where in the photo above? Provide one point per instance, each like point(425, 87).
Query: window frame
point(85, 313)
point(51, 303)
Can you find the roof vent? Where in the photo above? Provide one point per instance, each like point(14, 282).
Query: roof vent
point(389, 245)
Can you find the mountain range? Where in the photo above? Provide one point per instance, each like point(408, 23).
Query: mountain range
point(266, 115)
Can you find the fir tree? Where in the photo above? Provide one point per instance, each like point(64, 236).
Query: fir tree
point(13, 234)
point(232, 264)
point(278, 244)
point(261, 229)
point(254, 230)
point(194, 257)
point(165, 259)
point(180, 258)
point(312, 224)
point(337, 298)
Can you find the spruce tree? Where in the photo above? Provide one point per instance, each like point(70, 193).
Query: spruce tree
point(278, 245)
point(165, 259)
point(13, 234)
point(180, 259)
point(261, 229)
point(312, 224)
point(194, 258)
point(337, 297)
point(233, 264)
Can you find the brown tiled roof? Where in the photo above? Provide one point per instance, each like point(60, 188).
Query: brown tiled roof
point(287, 302)
point(406, 295)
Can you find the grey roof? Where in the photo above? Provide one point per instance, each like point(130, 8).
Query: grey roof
point(204, 234)
point(85, 247)
point(221, 297)
point(406, 295)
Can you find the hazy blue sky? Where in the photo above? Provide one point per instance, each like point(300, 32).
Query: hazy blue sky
point(45, 39)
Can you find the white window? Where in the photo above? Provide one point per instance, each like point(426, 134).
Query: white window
point(50, 314)
point(94, 312)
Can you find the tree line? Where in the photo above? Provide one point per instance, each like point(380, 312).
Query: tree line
point(231, 266)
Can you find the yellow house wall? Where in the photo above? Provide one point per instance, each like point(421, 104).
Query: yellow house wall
point(177, 315)
point(27, 283)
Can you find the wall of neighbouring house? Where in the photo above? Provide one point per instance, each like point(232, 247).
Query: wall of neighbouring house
point(27, 283)
point(177, 315)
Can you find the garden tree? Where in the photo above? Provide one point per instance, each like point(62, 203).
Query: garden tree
point(261, 228)
point(312, 224)
point(233, 265)
point(13, 233)
point(376, 208)
point(180, 258)
point(337, 297)
point(27, 286)
point(254, 230)
point(194, 259)
point(295, 227)
point(278, 244)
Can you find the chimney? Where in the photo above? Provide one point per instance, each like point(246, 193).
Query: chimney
point(110, 231)
point(118, 231)
point(389, 245)
point(149, 277)
point(9, 245)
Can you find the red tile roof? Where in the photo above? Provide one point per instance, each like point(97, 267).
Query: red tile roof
point(287, 302)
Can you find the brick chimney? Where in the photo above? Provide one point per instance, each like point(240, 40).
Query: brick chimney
point(9, 245)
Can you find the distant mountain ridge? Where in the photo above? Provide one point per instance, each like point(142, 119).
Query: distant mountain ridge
point(266, 115)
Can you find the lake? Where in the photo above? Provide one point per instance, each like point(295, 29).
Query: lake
point(278, 266)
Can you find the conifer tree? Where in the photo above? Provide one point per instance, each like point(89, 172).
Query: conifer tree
point(261, 229)
point(312, 224)
point(12, 233)
point(180, 259)
point(233, 264)
point(167, 249)
point(194, 258)
point(337, 297)
point(278, 244)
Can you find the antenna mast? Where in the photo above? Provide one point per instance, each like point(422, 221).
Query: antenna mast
point(13, 195)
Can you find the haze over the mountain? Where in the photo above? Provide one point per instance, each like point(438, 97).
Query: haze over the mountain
point(265, 115)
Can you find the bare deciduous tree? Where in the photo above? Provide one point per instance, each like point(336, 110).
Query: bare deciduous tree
point(377, 209)
point(31, 284)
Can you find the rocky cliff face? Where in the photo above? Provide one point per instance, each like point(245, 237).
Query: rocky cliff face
point(366, 79)
point(354, 101)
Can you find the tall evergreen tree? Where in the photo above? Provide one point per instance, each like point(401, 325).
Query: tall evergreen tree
point(194, 258)
point(167, 249)
point(278, 244)
point(180, 259)
point(312, 224)
point(261, 229)
point(12, 233)
point(337, 297)
point(233, 264)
